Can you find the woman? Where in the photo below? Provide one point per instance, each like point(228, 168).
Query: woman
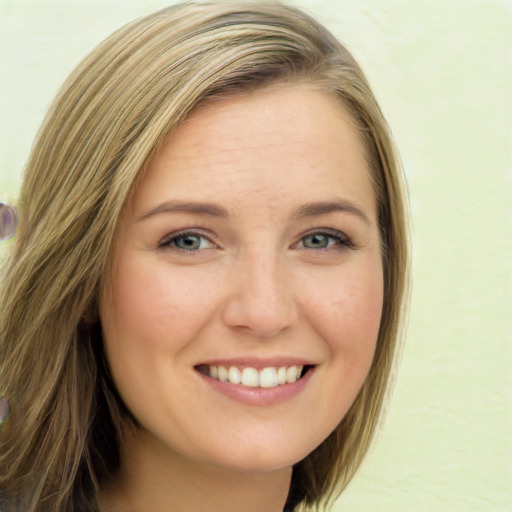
point(202, 305)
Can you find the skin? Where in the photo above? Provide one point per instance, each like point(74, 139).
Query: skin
point(255, 286)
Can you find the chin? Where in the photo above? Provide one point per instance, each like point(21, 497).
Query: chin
point(259, 459)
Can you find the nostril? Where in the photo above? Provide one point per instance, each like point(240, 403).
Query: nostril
point(260, 320)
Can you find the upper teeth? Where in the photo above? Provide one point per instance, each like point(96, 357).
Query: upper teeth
point(269, 377)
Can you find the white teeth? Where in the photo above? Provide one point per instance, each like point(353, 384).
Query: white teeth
point(234, 375)
point(222, 374)
point(268, 377)
point(281, 375)
point(291, 374)
point(250, 377)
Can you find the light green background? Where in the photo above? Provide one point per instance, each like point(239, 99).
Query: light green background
point(443, 73)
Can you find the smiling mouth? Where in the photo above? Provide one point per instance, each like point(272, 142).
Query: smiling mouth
point(269, 377)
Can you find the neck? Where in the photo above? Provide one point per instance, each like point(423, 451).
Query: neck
point(153, 478)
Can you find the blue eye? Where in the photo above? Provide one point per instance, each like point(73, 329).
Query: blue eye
point(322, 240)
point(318, 241)
point(189, 242)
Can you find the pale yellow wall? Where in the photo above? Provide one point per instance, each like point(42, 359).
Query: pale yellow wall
point(443, 73)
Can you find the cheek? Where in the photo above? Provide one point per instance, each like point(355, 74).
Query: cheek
point(151, 306)
point(150, 317)
point(348, 314)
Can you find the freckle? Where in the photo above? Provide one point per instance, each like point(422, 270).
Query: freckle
point(7, 221)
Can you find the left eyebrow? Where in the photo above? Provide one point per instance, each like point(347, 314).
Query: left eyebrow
point(325, 207)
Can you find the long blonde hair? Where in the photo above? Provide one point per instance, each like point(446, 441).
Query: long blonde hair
point(61, 442)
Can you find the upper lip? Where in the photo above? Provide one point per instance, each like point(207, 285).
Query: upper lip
point(258, 363)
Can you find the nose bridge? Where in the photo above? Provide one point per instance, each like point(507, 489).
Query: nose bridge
point(261, 299)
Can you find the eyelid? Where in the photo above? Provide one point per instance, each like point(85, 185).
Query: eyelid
point(165, 241)
point(341, 237)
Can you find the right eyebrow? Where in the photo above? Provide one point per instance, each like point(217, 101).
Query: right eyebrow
point(185, 207)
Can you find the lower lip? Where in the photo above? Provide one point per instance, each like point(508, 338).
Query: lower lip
point(258, 396)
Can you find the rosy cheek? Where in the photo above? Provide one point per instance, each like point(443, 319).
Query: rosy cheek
point(159, 305)
point(134, 306)
point(354, 313)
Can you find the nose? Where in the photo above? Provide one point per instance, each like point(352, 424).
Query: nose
point(261, 301)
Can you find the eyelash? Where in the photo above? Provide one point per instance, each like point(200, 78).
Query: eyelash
point(341, 241)
point(168, 242)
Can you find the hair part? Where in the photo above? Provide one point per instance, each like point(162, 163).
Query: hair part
point(62, 441)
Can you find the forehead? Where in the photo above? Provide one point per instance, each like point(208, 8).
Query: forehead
point(279, 144)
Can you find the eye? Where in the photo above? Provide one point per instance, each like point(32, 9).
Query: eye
point(318, 241)
point(188, 242)
point(324, 240)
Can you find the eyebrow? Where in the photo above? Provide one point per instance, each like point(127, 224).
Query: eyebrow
point(186, 207)
point(326, 207)
point(307, 210)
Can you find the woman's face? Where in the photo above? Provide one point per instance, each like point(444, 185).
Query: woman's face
point(251, 252)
